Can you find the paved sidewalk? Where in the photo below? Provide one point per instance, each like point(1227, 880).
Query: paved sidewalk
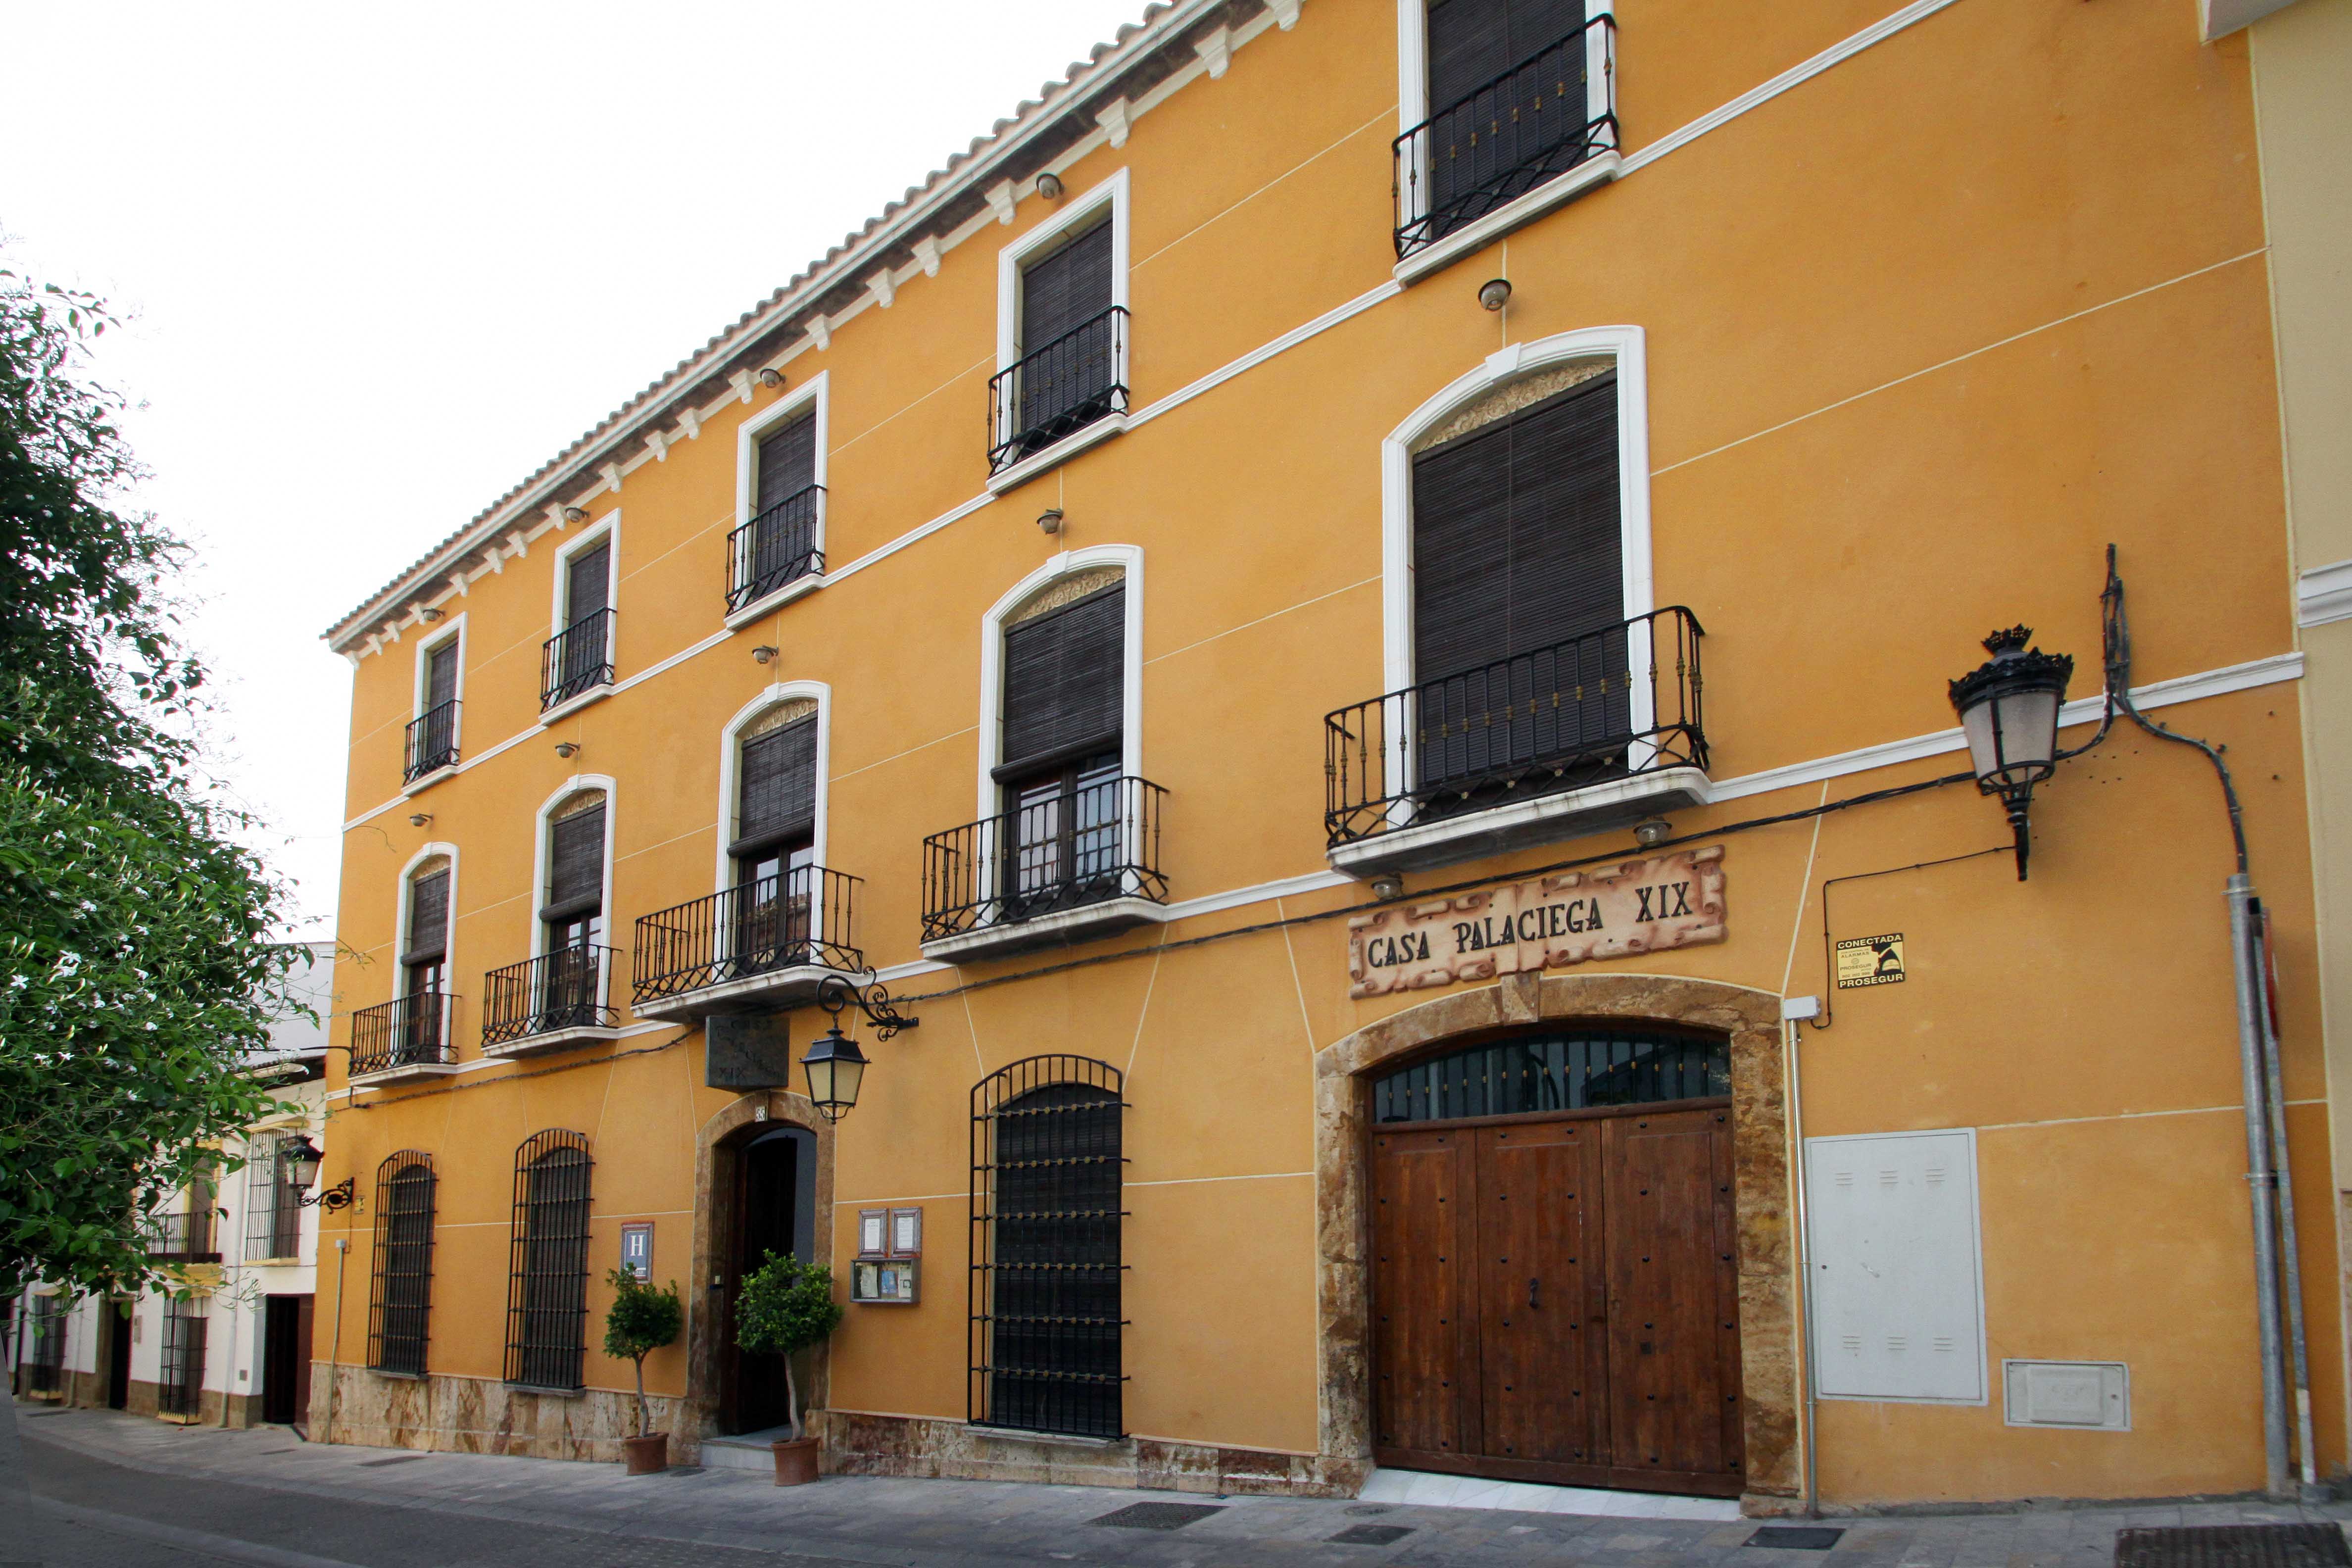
point(329, 1506)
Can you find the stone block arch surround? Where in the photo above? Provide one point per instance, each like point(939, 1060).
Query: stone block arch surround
point(739, 1122)
point(1751, 1018)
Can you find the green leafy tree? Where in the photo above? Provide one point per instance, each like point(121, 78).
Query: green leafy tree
point(784, 1307)
point(136, 969)
point(640, 1321)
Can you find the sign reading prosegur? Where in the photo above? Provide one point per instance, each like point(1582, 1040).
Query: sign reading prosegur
point(1640, 906)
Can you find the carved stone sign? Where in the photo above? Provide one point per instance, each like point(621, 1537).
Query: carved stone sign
point(1640, 906)
point(747, 1050)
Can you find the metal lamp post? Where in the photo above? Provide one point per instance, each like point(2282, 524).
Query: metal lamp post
point(2009, 711)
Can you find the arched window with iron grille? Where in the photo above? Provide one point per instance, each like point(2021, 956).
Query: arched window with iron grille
point(547, 1282)
point(400, 1298)
point(1046, 1179)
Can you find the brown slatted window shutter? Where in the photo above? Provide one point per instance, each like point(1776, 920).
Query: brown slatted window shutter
point(1067, 289)
point(1516, 538)
point(1472, 42)
point(776, 798)
point(428, 918)
point(441, 676)
point(575, 853)
point(787, 462)
point(587, 584)
point(1064, 679)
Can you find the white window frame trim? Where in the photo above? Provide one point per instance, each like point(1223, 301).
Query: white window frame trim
point(1623, 344)
point(1129, 557)
point(1111, 192)
point(730, 759)
point(401, 902)
point(812, 392)
point(607, 527)
point(454, 633)
point(543, 824)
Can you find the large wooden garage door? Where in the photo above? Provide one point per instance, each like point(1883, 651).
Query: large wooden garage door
point(1554, 1294)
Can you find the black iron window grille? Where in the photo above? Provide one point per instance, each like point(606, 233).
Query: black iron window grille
point(1621, 700)
point(1046, 1179)
point(547, 1282)
point(797, 918)
point(576, 659)
point(180, 1385)
point(184, 1236)
point(1086, 841)
point(777, 547)
point(400, 1294)
point(43, 1324)
point(273, 1203)
point(407, 1031)
point(559, 990)
point(1522, 129)
point(1058, 389)
point(432, 741)
point(1556, 1068)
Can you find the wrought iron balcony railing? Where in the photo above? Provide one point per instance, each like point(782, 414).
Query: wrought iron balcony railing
point(1621, 700)
point(1057, 390)
point(1087, 846)
point(186, 1237)
point(559, 990)
point(1543, 117)
point(801, 918)
point(776, 547)
point(432, 741)
point(576, 659)
point(406, 1032)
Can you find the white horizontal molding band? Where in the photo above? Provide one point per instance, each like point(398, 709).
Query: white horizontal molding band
point(2323, 595)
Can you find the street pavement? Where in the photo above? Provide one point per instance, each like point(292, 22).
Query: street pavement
point(112, 1490)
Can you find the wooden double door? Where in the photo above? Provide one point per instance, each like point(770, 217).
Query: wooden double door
point(1558, 1299)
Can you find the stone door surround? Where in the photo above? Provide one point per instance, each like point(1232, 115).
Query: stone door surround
point(1752, 1018)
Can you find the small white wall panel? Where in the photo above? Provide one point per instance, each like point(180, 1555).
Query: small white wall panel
point(2092, 1395)
point(1895, 1270)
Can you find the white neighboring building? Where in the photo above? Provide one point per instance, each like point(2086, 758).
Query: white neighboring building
point(239, 1351)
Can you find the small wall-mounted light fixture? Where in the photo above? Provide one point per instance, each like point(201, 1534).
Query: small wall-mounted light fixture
point(1388, 887)
point(772, 378)
point(576, 514)
point(764, 653)
point(1049, 186)
point(2009, 711)
point(430, 614)
point(567, 750)
point(1050, 519)
point(419, 818)
point(1494, 293)
point(1652, 831)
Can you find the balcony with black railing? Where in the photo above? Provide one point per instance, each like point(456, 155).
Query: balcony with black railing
point(548, 1003)
point(187, 1236)
point(576, 660)
point(776, 549)
point(765, 943)
point(1547, 124)
point(1081, 864)
point(432, 742)
point(407, 1037)
point(1597, 731)
point(1057, 392)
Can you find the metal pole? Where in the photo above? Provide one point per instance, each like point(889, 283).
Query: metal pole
point(1793, 1032)
point(2261, 1182)
point(335, 1366)
point(2291, 1251)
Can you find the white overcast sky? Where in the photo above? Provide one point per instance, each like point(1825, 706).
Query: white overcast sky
point(382, 262)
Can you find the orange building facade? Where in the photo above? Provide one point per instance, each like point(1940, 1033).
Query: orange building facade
point(1353, 616)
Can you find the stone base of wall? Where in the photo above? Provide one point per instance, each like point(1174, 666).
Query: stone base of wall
point(478, 1416)
point(857, 1445)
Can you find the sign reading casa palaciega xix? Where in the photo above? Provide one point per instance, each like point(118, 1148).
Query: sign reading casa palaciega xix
point(1640, 906)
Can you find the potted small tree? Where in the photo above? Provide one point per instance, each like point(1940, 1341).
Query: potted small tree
point(786, 1306)
point(640, 1320)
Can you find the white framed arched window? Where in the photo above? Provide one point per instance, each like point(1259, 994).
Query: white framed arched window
point(780, 907)
point(572, 873)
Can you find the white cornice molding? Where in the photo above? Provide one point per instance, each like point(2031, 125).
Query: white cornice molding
point(1215, 48)
point(2323, 595)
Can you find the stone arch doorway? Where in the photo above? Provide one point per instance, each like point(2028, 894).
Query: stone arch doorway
point(764, 1179)
point(1749, 1020)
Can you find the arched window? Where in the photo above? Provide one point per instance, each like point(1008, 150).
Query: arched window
point(1556, 1068)
point(1046, 1177)
point(773, 848)
point(421, 1029)
point(1062, 732)
point(400, 1297)
point(547, 1284)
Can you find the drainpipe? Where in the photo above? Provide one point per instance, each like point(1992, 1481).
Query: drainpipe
point(2262, 1180)
point(335, 1366)
point(2291, 1254)
point(1794, 1010)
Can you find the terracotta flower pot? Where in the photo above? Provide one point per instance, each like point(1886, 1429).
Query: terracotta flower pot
point(795, 1462)
point(648, 1455)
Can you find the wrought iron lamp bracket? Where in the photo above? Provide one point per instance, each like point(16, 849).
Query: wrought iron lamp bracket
point(342, 1195)
point(836, 992)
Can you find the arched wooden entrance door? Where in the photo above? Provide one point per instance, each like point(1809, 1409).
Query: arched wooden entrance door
point(1555, 1285)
